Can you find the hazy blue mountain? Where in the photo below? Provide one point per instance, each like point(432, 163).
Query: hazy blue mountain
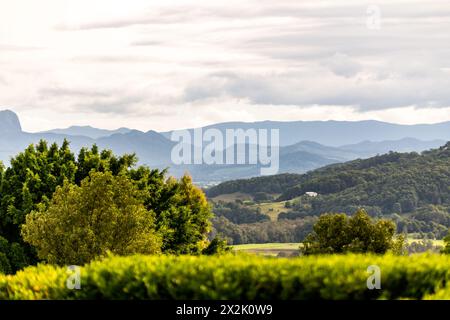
point(151, 147)
point(87, 131)
point(338, 133)
point(294, 162)
point(371, 148)
point(331, 153)
point(154, 149)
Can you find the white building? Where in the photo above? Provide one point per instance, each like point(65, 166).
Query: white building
point(311, 194)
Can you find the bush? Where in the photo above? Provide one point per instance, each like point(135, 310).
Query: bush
point(237, 277)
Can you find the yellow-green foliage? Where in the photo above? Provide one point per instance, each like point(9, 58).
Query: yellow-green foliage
point(237, 277)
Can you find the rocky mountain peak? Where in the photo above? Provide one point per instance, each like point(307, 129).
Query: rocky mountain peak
point(9, 122)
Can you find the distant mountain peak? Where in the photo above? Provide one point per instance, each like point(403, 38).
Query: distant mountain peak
point(88, 131)
point(9, 122)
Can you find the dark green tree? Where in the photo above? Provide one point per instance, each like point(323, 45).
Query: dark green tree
point(446, 248)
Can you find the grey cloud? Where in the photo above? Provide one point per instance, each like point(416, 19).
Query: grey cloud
point(172, 15)
point(355, 40)
point(318, 88)
point(342, 65)
point(70, 92)
point(112, 105)
point(13, 47)
point(263, 9)
point(3, 81)
point(145, 43)
point(126, 102)
point(113, 59)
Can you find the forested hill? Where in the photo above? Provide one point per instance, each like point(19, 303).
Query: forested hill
point(386, 184)
point(269, 184)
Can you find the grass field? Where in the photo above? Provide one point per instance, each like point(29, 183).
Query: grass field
point(268, 249)
point(261, 246)
point(273, 249)
point(271, 209)
point(435, 242)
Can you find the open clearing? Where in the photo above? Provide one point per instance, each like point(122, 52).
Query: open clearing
point(274, 249)
point(271, 209)
point(435, 242)
point(268, 249)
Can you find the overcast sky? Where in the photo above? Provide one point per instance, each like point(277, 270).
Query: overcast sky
point(173, 64)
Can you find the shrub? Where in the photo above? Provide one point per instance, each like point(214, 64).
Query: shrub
point(237, 277)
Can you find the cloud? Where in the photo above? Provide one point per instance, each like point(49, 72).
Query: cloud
point(346, 85)
point(154, 16)
point(168, 64)
point(3, 81)
point(66, 92)
point(112, 59)
point(145, 43)
point(13, 48)
point(342, 65)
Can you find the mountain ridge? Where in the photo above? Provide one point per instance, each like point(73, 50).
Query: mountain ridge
point(154, 148)
point(337, 133)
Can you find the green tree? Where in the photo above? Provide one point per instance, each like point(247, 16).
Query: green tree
point(31, 179)
point(183, 217)
point(182, 211)
point(105, 214)
point(338, 233)
point(446, 248)
point(5, 266)
point(216, 246)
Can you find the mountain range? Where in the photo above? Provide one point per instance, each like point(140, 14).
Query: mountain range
point(338, 133)
point(304, 146)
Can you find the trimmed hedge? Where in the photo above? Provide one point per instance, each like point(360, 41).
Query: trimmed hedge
point(237, 277)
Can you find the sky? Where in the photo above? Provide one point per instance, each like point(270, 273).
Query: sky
point(162, 65)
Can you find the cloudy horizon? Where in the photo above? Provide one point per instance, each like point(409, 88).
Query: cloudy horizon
point(153, 65)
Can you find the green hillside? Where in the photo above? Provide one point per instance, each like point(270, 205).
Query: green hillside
point(413, 189)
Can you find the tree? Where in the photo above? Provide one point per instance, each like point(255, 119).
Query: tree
point(337, 233)
point(31, 179)
point(11, 256)
point(183, 217)
point(446, 248)
point(182, 211)
point(216, 246)
point(5, 266)
point(104, 214)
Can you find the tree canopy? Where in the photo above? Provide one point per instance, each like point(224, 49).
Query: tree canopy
point(338, 233)
point(104, 214)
